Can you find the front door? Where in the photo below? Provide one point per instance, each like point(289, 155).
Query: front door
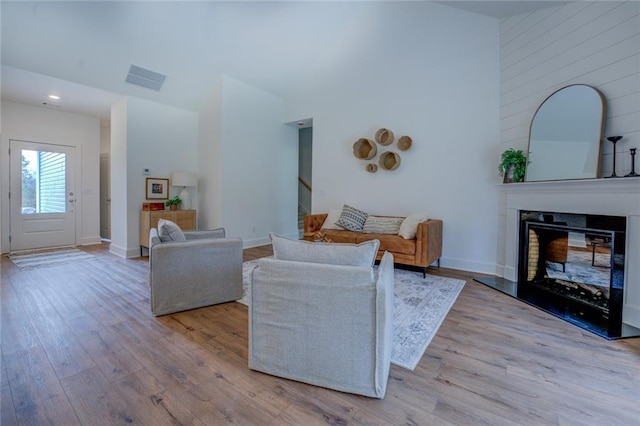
point(42, 195)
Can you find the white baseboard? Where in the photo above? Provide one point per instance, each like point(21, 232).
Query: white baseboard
point(87, 241)
point(469, 266)
point(123, 252)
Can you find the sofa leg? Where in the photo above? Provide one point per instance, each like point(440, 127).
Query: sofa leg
point(424, 272)
point(438, 262)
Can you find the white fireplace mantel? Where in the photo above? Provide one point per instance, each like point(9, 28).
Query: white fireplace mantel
point(612, 197)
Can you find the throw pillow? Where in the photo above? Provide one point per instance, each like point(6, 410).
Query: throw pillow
point(409, 226)
point(169, 231)
point(352, 218)
point(363, 254)
point(382, 225)
point(332, 218)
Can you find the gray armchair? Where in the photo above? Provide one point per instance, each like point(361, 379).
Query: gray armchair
point(324, 324)
point(204, 270)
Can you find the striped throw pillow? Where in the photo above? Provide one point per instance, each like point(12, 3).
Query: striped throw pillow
point(382, 225)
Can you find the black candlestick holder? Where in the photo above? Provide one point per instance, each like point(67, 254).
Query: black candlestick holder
point(614, 140)
point(633, 164)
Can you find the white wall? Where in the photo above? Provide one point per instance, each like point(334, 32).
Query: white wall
point(36, 124)
point(105, 137)
point(424, 70)
point(250, 160)
point(118, 176)
point(210, 161)
point(158, 137)
point(593, 43)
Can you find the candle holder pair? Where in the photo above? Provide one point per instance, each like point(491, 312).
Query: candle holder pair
point(614, 140)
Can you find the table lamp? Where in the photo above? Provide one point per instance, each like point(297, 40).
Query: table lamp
point(184, 179)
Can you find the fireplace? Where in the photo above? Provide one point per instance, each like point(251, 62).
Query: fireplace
point(598, 200)
point(572, 266)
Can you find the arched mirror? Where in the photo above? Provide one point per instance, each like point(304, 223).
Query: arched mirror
point(566, 135)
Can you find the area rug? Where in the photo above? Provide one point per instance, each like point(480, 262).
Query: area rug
point(419, 307)
point(42, 259)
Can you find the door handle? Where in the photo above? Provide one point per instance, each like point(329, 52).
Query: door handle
point(71, 200)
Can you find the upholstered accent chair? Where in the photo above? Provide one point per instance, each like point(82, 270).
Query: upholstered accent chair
point(204, 269)
point(326, 324)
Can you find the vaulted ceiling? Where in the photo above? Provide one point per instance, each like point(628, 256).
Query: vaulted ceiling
point(82, 51)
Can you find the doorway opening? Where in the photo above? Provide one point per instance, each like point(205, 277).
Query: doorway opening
point(305, 175)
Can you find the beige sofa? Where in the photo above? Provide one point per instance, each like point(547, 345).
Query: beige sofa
point(421, 251)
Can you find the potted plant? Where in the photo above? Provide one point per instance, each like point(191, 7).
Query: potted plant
point(173, 203)
point(513, 165)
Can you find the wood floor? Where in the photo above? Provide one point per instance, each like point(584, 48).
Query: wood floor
point(80, 346)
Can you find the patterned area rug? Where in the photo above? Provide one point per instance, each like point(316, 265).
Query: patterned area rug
point(42, 259)
point(419, 307)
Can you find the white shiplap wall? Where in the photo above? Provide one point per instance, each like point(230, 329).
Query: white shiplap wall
point(594, 43)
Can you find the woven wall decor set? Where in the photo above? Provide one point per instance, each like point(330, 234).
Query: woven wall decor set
point(366, 149)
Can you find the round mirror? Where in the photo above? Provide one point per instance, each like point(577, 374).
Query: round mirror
point(566, 134)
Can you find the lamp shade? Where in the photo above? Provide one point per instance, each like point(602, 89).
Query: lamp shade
point(183, 179)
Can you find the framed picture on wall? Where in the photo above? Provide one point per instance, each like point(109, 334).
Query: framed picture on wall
point(157, 189)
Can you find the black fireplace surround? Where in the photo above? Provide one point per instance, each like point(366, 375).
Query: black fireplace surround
point(571, 266)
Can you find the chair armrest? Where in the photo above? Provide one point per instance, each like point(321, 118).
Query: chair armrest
point(385, 291)
point(203, 234)
point(428, 242)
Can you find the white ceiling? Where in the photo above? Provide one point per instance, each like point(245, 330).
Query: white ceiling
point(82, 51)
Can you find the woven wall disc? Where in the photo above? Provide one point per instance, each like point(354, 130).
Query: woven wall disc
point(384, 137)
point(371, 168)
point(389, 160)
point(364, 149)
point(404, 143)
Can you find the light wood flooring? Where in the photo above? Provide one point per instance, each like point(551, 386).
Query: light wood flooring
point(80, 346)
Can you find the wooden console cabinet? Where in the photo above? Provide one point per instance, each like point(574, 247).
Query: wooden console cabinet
point(185, 219)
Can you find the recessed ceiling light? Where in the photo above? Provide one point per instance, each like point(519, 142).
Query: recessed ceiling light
point(54, 97)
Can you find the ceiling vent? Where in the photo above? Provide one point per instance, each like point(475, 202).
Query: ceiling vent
point(145, 78)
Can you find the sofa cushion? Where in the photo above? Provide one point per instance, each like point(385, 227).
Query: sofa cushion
point(409, 226)
point(392, 243)
point(331, 219)
point(352, 219)
point(169, 231)
point(336, 254)
point(382, 225)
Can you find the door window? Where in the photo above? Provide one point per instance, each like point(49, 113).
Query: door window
point(43, 182)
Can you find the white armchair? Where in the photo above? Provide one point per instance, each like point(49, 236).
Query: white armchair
point(204, 270)
point(324, 324)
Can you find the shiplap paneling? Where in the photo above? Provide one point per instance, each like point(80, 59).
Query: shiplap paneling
point(594, 43)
